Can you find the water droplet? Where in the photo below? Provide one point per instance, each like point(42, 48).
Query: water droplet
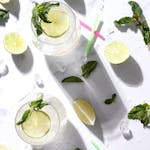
point(60, 66)
point(84, 59)
point(39, 81)
point(3, 68)
point(126, 132)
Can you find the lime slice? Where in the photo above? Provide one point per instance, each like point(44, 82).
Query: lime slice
point(117, 52)
point(4, 1)
point(3, 147)
point(85, 111)
point(59, 25)
point(14, 43)
point(37, 125)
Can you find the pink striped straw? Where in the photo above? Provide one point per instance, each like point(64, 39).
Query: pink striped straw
point(90, 29)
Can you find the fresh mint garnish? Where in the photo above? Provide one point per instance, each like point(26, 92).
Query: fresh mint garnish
point(25, 116)
point(86, 71)
point(138, 20)
point(141, 113)
point(34, 106)
point(72, 79)
point(40, 12)
point(88, 68)
point(77, 148)
point(4, 13)
point(110, 100)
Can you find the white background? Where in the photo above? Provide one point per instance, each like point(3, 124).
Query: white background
point(130, 79)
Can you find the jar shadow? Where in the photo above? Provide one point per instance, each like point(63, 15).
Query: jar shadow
point(24, 62)
point(95, 89)
point(77, 5)
point(69, 138)
point(14, 7)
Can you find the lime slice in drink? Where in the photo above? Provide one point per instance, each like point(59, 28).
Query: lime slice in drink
point(14, 43)
point(117, 52)
point(37, 125)
point(85, 111)
point(4, 1)
point(59, 23)
point(3, 147)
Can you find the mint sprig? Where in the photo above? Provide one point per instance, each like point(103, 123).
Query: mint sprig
point(110, 100)
point(72, 79)
point(4, 13)
point(141, 113)
point(40, 12)
point(138, 20)
point(25, 116)
point(88, 68)
point(33, 106)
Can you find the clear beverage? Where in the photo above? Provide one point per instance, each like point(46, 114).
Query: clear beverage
point(42, 126)
point(60, 44)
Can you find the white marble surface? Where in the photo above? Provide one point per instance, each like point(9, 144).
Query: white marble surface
point(130, 80)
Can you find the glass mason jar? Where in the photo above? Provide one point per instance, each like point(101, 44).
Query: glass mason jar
point(57, 119)
point(62, 44)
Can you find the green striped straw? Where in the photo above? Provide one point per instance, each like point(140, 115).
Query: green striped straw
point(93, 142)
point(92, 35)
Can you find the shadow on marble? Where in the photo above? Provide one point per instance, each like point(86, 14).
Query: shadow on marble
point(14, 7)
point(95, 89)
point(129, 72)
point(77, 5)
point(3, 22)
point(69, 139)
point(127, 27)
point(24, 62)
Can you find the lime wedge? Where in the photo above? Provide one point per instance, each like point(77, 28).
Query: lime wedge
point(117, 52)
point(3, 147)
point(85, 111)
point(37, 125)
point(14, 43)
point(59, 23)
point(4, 1)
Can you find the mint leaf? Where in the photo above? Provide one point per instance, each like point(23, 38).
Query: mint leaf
point(110, 100)
point(137, 11)
point(44, 8)
point(25, 116)
point(38, 103)
point(141, 113)
point(72, 79)
point(138, 19)
point(88, 68)
point(34, 106)
point(39, 13)
point(125, 20)
point(77, 148)
point(4, 13)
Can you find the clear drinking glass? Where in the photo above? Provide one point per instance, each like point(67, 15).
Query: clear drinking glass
point(62, 44)
point(56, 117)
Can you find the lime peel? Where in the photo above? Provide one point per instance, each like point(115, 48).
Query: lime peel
point(84, 111)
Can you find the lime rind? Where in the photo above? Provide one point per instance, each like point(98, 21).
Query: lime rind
point(84, 111)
